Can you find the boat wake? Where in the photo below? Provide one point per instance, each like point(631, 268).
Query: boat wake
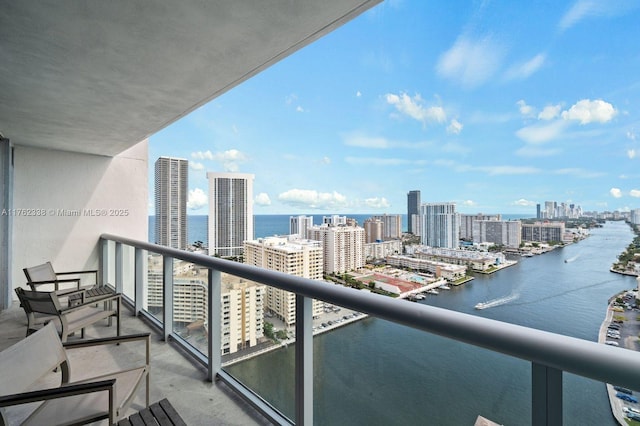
point(571, 259)
point(497, 302)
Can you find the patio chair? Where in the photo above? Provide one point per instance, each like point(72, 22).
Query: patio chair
point(27, 375)
point(43, 307)
point(44, 275)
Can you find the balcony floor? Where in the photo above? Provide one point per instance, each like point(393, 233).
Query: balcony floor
point(173, 376)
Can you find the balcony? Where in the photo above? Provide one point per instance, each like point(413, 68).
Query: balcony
point(183, 372)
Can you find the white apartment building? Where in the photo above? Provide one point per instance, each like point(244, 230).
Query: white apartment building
point(171, 195)
point(476, 260)
point(391, 226)
point(343, 247)
point(466, 223)
point(298, 225)
point(543, 231)
point(382, 249)
point(230, 212)
point(506, 233)
point(334, 220)
point(447, 271)
point(302, 258)
point(440, 225)
point(241, 321)
point(634, 217)
point(373, 230)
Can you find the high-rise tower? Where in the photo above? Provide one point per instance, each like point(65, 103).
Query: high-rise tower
point(440, 225)
point(413, 212)
point(230, 212)
point(171, 193)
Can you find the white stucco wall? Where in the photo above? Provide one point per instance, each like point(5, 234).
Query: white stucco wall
point(109, 193)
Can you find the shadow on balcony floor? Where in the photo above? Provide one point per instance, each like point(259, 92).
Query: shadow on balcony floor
point(173, 376)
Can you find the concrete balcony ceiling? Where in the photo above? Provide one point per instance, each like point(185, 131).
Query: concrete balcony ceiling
point(99, 76)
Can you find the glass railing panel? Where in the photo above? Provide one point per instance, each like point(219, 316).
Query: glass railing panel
point(375, 372)
point(153, 293)
point(128, 271)
point(258, 327)
point(190, 307)
point(587, 401)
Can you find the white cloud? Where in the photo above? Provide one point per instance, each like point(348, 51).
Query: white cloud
point(635, 193)
point(549, 112)
point(631, 153)
point(325, 160)
point(262, 199)
point(377, 161)
point(524, 203)
point(366, 141)
point(615, 192)
point(377, 203)
point(194, 165)
point(229, 159)
point(587, 111)
point(358, 94)
point(197, 199)
point(578, 172)
point(471, 61)
point(583, 9)
point(507, 170)
point(312, 199)
point(526, 69)
point(540, 133)
point(631, 135)
point(455, 127)
point(299, 109)
point(526, 110)
point(537, 151)
point(414, 108)
point(469, 203)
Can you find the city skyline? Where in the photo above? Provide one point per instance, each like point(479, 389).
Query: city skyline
point(495, 107)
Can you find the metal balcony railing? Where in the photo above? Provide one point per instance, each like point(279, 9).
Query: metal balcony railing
point(549, 354)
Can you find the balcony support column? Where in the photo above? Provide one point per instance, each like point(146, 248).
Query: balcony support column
point(119, 267)
point(104, 262)
point(140, 270)
point(167, 296)
point(214, 302)
point(546, 395)
point(304, 360)
point(6, 222)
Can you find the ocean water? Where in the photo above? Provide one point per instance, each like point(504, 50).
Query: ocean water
point(273, 224)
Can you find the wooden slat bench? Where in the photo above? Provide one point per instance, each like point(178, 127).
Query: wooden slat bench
point(160, 413)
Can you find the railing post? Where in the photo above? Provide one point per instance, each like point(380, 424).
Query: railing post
point(304, 360)
point(546, 395)
point(214, 315)
point(138, 291)
point(104, 261)
point(119, 268)
point(167, 296)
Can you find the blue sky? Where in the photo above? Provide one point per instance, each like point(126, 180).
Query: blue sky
point(496, 106)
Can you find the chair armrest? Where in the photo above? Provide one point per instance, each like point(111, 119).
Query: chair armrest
point(146, 337)
point(59, 392)
point(56, 283)
point(88, 271)
point(84, 303)
point(107, 340)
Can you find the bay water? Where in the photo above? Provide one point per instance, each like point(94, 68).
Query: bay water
point(374, 372)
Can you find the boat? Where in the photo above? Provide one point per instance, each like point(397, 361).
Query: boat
point(432, 291)
point(445, 287)
point(497, 302)
point(420, 296)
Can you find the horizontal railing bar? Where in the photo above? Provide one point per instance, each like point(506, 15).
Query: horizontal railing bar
point(584, 358)
point(275, 416)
